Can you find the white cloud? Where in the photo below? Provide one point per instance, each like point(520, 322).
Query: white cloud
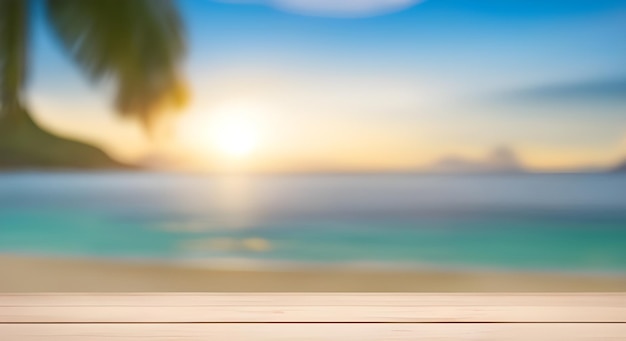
point(336, 8)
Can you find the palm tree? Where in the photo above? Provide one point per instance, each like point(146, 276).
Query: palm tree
point(133, 46)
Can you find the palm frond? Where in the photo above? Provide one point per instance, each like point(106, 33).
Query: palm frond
point(137, 45)
point(13, 57)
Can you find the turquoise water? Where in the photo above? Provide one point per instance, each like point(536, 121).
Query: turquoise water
point(519, 222)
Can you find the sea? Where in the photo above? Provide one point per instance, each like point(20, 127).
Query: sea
point(517, 222)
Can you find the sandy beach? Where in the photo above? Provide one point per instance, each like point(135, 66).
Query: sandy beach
point(31, 274)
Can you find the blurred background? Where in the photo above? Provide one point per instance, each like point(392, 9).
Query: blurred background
point(312, 145)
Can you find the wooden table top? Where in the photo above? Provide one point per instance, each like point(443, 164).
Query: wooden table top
point(312, 316)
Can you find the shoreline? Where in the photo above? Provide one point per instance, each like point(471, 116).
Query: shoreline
point(39, 274)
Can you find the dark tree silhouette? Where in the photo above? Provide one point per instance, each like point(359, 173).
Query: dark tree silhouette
point(135, 46)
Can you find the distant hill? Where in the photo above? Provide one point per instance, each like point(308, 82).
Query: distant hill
point(621, 168)
point(26, 145)
point(500, 160)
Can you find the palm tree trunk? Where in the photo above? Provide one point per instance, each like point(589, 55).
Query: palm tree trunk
point(14, 23)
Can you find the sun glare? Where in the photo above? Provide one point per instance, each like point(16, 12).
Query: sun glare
point(230, 131)
point(234, 136)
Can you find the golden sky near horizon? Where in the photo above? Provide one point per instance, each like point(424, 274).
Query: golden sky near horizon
point(259, 134)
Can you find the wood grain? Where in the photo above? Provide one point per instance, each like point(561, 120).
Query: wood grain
point(312, 332)
point(312, 317)
point(331, 308)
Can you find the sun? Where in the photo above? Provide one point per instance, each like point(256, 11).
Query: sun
point(229, 132)
point(234, 134)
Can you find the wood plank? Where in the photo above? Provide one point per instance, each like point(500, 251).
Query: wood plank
point(337, 308)
point(312, 332)
point(311, 299)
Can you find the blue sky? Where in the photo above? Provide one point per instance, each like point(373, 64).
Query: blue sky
point(545, 40)
point(417, 80)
